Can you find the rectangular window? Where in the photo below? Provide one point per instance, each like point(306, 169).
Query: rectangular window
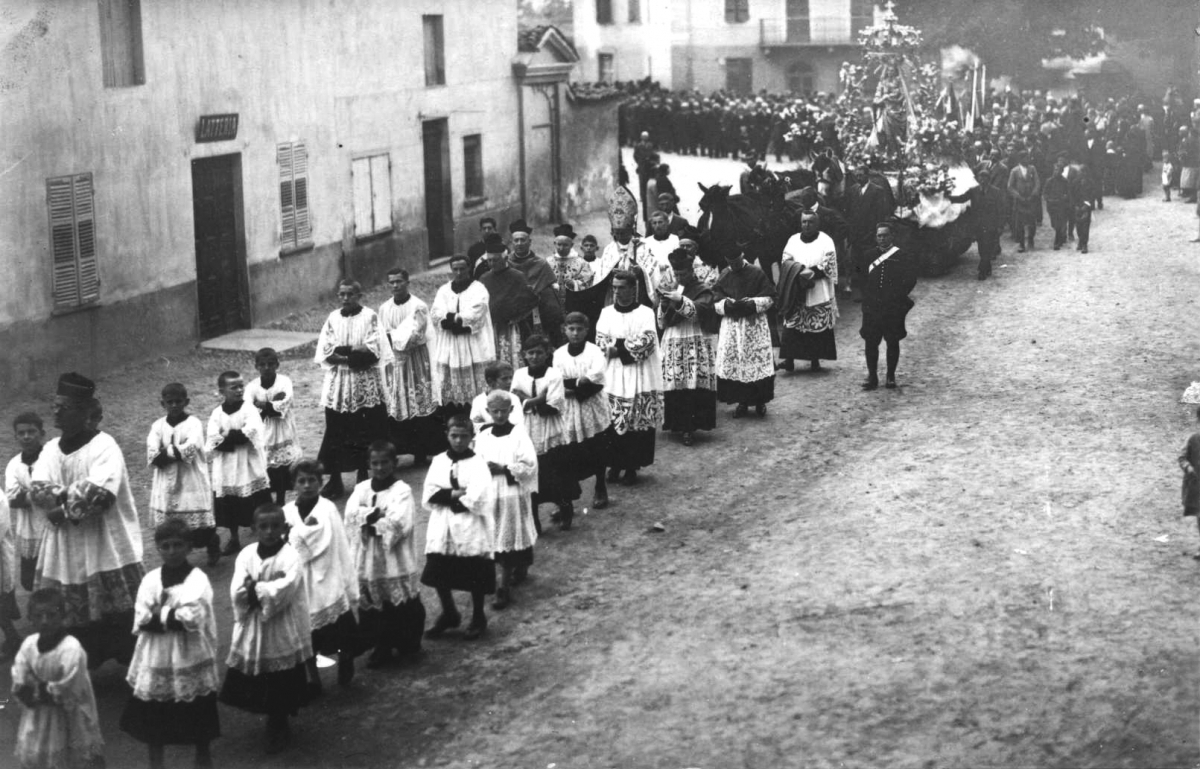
point(121, 43)
point(296, 231)
point(372, 177)
point(473, 167)
point(739, 75)
point(737, 11)
point(607, 73)
point(604, 14)
point(435, 50)
point(73, 240)
point(635, 12)
point(862, 15)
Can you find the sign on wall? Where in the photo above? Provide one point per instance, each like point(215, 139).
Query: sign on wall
point(217, 128)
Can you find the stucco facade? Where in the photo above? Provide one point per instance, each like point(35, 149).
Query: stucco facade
point(638, 49)
point(776, 45)
point(345, 78)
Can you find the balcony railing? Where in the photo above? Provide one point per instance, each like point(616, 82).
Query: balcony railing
point(810, 30)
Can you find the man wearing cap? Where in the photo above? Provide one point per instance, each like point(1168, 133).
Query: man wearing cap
point(91, 550)
point(511, 302)
point(889, 276)
point(745, 364)
point(689, 240)
point(989, 205)
point(571, 271)
point(548, 316)
point(475, 252)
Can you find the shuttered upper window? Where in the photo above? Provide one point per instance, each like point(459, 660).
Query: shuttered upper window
point(372, 195)
point(121, 43)
point(296, 229)
point(73, 240)
point(737, 11)
point(473, 167)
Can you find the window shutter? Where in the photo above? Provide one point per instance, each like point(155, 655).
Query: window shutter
point(360, 170)
point(300, 196)
point(85, 234)
point(381, 193)
point(287, 197)
point(61, 195)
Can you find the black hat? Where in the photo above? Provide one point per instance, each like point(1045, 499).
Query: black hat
point(690, 233)
point(520, 226)
point(564, 231)
point(493, 243)
point(74, 385)
point(680, 258)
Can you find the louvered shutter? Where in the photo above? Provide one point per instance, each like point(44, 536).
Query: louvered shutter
point(85, 239)
point(287, 197)
point(61, 195)
point(300, 192)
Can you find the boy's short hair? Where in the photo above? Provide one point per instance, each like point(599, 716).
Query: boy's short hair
point(499, 396)
point(267, 508)
point(266, 353)
point(625, 276)
point(398, 271)
point(47, 596)
point(308, 467)
point(174, 390)
point(460, 420)
point(590, 239)
point(487, 220)
point(534, 341)
point(354, 284)
point(578, 319)
point(493, 370)
point(225, 377)
point(459, 258)
point(29, 418)
point(386, 447)
point(172, 528)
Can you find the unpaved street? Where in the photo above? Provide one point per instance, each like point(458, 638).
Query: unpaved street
point(964, 572)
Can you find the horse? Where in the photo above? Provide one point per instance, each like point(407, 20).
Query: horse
point(758, 223)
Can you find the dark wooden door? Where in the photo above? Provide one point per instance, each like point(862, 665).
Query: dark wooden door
point(439, 206)
point(220, 265)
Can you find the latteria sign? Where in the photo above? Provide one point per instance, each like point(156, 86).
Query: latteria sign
point(217, 128)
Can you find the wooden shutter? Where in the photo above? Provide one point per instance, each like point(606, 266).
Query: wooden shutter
point(85, 239)
point(300, 183)
point(76, 277)
point(381, 193)
point(360, 170)
point(287, 197)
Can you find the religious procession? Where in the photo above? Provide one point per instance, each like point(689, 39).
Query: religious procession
point(508, 441)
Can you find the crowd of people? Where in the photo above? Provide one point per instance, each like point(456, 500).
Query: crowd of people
point(521, 378)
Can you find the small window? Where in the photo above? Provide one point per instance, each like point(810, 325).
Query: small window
point(607, 73)
point(435, 51)
point(737, 11)
point(739, 76)
point(604, 14)
point(473, 167)
point(73, 241)
point(635, 12)
point(121, 43)
point(862, 15)
point(296, 231)
point(372, 195)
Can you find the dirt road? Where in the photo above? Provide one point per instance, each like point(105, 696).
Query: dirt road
point(963, 572)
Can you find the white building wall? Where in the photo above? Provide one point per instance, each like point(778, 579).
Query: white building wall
point(639, 49)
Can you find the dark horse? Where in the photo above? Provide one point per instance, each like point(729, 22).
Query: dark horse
point(759, 220)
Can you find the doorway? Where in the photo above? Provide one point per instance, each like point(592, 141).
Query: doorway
point(439, 205)
point(222, 289)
